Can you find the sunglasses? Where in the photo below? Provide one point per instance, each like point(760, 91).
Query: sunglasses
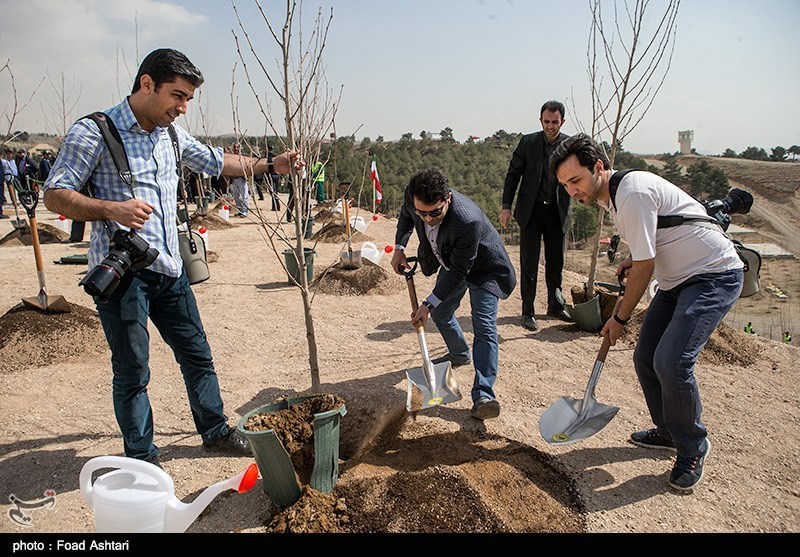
point(433, 214)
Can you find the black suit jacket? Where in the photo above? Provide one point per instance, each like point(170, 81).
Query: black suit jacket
point(469, 244)
point(528, 171)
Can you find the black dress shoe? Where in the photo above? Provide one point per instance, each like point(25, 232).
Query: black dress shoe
point(562, 315)
point(455, 362)
point(234, 443)
point(529, 323)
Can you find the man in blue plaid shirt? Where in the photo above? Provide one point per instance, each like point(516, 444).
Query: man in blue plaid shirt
point(165, 83)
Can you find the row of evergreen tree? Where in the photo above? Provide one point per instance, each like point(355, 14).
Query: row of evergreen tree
point(478, 170)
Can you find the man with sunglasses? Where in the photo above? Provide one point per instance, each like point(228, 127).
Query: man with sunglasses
point(457, 239)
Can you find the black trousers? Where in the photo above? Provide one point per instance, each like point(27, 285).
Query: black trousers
point(545, 227)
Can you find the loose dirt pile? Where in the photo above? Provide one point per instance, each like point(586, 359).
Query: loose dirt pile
point(48, 234)
point(368, 279)
point(212, 221)
point(30, 338)
point(334, 232)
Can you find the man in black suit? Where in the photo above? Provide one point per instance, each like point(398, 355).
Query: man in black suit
point(542, 211)
point(457, 239)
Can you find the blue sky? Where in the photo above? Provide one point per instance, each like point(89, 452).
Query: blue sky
point(476, 66)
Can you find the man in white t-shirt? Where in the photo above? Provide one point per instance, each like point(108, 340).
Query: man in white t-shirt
point(700, 277)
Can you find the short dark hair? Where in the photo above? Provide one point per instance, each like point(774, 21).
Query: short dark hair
point(553, 106)
point(583, 147)
point(165, 65)
point(430, 186)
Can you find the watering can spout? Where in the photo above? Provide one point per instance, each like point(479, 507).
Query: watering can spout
point(179, 515)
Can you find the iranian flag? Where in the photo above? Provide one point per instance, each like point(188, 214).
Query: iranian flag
point(376, 180)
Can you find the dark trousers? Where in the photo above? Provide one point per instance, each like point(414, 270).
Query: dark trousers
point(545, 227)
point(77, 230)
point(677, 325)
point(171, 306)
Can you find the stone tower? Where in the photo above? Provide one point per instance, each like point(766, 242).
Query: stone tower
point(685, 141)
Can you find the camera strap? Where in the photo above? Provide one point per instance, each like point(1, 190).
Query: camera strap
point(668, 221)
point(664, 221)
point(182, 187)
point(115, 147)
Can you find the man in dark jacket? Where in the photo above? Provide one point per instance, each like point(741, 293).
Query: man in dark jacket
point(542, 211)
point(457, 239)
point(27, 170)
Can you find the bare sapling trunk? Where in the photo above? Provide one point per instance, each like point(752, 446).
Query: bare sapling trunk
point(300, 88)
point(637, 52)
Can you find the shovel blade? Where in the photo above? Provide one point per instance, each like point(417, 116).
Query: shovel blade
point(420, 395)
point(48, 304)
point(351, 260)
point(566, 421)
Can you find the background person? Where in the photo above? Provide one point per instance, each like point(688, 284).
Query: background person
point(542, 211)
point(457, 239)
point(165, 83)
point(700, 277)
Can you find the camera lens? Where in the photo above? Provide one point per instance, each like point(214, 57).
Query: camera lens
point(103, 279)
point(738, 201)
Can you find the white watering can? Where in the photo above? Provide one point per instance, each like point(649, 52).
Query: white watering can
point(370, 251)
point(140, 497)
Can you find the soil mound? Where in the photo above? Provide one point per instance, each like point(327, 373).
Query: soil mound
point(725, 345)
point(31, 338)
point(335, 232)
point(486, 485)
point(368, 279)
point(324, 216)
point(48, 234)
point(211, 221)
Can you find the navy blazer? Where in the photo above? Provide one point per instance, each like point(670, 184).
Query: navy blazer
point(469, 244)
point(528, 170)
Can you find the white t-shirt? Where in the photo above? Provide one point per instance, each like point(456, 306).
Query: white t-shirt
point(680, 252)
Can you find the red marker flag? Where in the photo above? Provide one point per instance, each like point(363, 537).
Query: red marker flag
point(376, 180)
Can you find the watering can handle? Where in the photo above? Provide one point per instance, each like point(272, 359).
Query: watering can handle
point(164, 481)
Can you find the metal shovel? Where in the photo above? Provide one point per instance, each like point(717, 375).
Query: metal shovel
point(432, 384)
point(569, 419)
point(43, 302)
point(350, 259)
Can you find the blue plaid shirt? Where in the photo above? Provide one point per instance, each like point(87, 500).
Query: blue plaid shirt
point(84, 156)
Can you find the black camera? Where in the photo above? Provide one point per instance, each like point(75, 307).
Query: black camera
point(129, 251)
point(737, 201)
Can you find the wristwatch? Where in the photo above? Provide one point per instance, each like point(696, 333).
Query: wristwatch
point(427, 304)
point(620, 320)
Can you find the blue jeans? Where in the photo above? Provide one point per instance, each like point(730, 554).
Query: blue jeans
point(170, 304)
point(484, 325)
point(676, 327)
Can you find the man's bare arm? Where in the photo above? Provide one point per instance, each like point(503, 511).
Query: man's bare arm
point(238, 165)
point(132, 212)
